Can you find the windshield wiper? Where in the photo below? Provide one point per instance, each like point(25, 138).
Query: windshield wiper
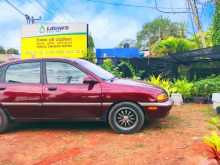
point(112, 79)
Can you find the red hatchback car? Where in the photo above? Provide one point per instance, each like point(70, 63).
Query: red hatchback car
point(70, 90)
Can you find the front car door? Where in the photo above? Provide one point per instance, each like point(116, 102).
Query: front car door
point(65, 96)
point(21, 90)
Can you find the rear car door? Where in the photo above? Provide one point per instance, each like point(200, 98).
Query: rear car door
point(21, 90)
point(65, 96)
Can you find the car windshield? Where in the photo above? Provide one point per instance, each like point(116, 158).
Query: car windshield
point(100, 72)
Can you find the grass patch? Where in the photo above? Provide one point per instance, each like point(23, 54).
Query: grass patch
point(139, 145)
point(209, 112)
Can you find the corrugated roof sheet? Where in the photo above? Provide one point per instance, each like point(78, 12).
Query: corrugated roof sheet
point(118, 53)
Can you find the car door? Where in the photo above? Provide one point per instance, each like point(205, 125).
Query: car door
point(65, 96)
point(21, 90)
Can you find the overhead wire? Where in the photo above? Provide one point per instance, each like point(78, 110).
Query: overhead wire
point(156, 7)
point(38, 6)
point(13, 6)
point(168, 12)
point(44, 8)
point(51, 11)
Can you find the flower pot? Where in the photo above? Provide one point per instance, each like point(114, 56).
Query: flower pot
point(188, 100)
point(216, 102)
point(200, 99)
point(177, 98)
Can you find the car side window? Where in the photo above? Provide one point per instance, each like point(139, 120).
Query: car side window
point(63, 73)
point(23, 73)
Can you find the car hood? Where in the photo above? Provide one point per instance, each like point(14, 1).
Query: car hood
point(138, 84)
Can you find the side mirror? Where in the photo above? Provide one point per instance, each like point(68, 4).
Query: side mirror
point(89, 80)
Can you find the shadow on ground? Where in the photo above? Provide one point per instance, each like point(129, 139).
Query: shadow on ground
point(64, 126)
point(169, 122)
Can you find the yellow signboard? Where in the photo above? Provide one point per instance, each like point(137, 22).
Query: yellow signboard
point(54, 40)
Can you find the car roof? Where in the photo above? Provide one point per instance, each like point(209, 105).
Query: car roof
point(38, 59)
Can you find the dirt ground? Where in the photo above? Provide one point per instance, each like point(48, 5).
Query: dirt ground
point(169, 141)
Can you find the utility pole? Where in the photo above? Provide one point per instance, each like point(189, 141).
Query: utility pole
point(159, 31)
point(193, 6)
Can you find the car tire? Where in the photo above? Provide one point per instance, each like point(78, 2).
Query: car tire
point(126, 117)
point(4, 121)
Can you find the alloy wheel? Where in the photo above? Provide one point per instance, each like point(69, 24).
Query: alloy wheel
point(126, 118)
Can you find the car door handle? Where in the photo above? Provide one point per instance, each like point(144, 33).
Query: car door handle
point(2, 88)
point(52, 88)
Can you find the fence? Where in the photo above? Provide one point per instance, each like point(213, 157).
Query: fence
point(193, 65)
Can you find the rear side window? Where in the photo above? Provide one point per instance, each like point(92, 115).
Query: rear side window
point(23, 73)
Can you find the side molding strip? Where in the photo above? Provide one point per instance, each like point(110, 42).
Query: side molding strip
point(54, 104)
point(20, 104)
point(71, 104)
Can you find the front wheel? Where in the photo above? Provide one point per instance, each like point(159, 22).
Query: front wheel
point(126, 117)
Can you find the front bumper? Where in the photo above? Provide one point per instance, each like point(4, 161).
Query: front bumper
point(156, 109)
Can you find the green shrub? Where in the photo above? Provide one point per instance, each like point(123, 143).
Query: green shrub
point(163, 83)
point(172, 45)
point(213, 141)
point(206, 86)
point(215, 121)
point(216, 25)
point(90, 56)
point(124, 69)
point(127, 70)
point(201, 88)
point(108, 65)
point(140, 74)
point(183, 87)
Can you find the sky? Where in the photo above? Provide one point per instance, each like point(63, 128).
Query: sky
point(108, 24)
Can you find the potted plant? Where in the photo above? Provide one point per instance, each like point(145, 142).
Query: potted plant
point(213, 146)
point(162, 82)
point(216, 102)
point(184, 88)
point(203, 89)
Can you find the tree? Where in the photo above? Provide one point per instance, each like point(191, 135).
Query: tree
point(2, 50)
point(216, 25)
point(109, 66)
point(127, 70)
point(158, 29)
point(91, 44)
point(127, 43)
point(192, 4)
point(12, 51)
point(90, 56)
point(207, 36)
point(172, 45)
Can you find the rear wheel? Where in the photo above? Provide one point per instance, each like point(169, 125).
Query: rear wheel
point(126, 117)
point(4, 121)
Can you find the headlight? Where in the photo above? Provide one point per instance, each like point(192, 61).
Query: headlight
point(162, 97)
